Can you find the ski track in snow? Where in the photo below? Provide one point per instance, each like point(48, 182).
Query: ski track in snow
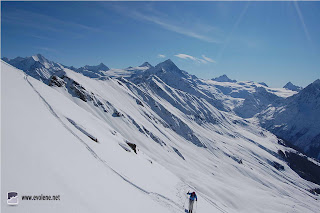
point(161, 199)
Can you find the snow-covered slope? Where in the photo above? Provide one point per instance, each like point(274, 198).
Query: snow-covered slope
point(297, 119)
point(81, 129)
point(45, 152)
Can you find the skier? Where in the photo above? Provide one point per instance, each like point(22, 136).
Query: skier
point(193, 197)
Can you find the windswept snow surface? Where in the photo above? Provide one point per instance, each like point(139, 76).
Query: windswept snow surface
point(228, 161)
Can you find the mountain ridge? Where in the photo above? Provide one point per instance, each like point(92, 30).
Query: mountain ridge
point(295, 119)
point(245, 99)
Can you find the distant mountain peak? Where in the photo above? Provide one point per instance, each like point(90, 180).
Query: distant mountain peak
point(95, 71)
point(36, 66)
point(39, 57)
point(146, 64)
point(264, 84)
point(168, 61)
point(103, 66)
point(223, 78)
point(291, 86)
point(95, 68)
point(167, 71)
point(168, 65)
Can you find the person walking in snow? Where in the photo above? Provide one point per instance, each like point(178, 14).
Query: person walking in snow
point(193, 197)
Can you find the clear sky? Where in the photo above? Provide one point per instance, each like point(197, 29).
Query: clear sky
point(274, 42)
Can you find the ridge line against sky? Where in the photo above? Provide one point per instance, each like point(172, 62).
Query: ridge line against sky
point(274, 42)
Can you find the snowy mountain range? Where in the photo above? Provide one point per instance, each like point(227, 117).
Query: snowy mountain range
point(297, 119)
point(36, 66)
point(146, 135)
point(93, 71)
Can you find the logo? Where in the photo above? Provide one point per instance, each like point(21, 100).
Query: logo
point(12, 198)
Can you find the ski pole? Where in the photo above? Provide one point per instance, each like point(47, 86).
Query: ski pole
point(184, 204)
point(185, 201)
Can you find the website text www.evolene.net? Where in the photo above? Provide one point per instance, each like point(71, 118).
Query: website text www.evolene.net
point(41, 197)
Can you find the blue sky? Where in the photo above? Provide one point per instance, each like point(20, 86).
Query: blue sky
point(274, 42)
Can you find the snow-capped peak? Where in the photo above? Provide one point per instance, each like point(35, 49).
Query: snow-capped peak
point(223, 78)
point(36, 66)
point(146, 64)
point(167, 65)
point(39, 57)
point(103, 66)
point(292, 87)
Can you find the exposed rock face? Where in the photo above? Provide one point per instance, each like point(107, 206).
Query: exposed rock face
point(56, 81)
point(133, 147)
point(292, 87)
point(223, 78)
